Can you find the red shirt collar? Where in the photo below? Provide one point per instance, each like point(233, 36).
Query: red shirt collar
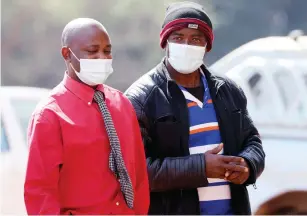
point(81, 90)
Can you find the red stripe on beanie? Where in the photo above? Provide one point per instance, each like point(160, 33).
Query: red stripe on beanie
point(184, 23)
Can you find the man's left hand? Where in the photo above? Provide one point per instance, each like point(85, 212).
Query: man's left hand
point(238, 177)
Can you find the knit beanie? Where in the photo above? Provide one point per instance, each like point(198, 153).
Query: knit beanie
point(186, 15)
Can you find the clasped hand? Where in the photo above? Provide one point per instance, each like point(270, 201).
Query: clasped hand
point(231, 168)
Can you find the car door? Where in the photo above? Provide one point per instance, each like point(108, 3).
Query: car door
point(13, 162)
point(272, 103)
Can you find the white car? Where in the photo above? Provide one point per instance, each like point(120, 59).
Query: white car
point(273, 74)
point(17, 105)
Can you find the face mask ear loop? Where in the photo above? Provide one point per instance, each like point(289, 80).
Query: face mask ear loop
point(73, 54)
point(73, 68)
point(76, 58)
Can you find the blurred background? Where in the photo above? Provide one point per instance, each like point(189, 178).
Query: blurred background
point(31, 32)
point(30, 56)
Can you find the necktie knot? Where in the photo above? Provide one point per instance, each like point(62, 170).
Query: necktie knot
point(98, 96)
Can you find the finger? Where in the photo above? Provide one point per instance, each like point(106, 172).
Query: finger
point(239, 179)
point(235, 181)
point(222, 176)
point(232, 159)
point(217, 149)
point(227, 173)
point(233, 167)
point(234, 175)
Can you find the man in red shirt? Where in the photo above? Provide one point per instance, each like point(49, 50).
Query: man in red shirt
point(86, 154)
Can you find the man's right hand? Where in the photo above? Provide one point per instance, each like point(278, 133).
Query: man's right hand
point(217, 165)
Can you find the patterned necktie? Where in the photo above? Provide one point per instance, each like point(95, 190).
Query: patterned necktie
point(116, 162)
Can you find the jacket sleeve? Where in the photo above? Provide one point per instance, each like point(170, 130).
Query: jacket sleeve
point(141, 203)
point(169, 173)
point(252, 151)
point(45, 157)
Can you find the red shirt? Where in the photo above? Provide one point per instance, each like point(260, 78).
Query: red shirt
point(68, 170)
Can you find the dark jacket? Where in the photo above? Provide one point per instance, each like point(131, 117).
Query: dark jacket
point(174, 174)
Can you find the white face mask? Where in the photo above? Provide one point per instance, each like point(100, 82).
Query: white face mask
point(185, 58)
point(94, 71)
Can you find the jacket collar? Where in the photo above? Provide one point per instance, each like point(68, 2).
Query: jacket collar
point(214, 82)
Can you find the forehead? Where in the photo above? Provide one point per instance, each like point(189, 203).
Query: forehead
point(188, 32)
point(92, 34)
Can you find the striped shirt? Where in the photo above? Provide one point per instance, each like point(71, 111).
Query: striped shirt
point(205, 135)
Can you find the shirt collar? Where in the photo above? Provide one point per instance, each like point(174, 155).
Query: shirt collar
point(191, 97)
point(81, 90)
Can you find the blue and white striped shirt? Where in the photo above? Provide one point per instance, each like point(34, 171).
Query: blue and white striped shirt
point(205, 135)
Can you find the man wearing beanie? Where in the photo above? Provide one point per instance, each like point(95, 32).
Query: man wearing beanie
point(201, 145)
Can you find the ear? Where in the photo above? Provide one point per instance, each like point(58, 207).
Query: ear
point(66, 53)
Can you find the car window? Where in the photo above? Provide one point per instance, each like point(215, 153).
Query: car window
point(287, 87)
point(24, 109)
point(290, 94)
point(254, 83)
point(4, 141)
point(262, 96)
point(257, 85)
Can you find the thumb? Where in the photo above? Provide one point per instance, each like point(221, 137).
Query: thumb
point(217, 149)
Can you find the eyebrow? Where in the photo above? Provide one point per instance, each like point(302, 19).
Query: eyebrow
point(92, 45)
point(97, 46)
point(198, 35)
